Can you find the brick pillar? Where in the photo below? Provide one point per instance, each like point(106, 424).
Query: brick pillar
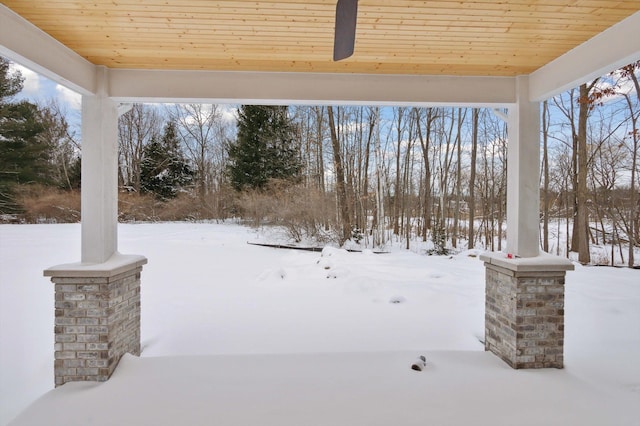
point(524, 309)
point(97, 317)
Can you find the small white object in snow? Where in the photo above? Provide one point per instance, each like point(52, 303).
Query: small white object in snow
point(397, 299)
point(420, 364)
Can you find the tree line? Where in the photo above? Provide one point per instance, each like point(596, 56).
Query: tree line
point(379, 175)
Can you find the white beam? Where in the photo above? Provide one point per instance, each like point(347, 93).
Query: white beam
point(24, 43)
point(124, 108)
point(99, 195)
point(308, 88)
point(523, 174)
point(613, 48)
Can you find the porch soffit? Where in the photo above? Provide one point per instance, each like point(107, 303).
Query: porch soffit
point(440, 38)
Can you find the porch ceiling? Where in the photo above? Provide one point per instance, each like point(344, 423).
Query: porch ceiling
point(439, 37)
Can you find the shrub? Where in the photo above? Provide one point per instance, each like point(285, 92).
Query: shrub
point(304, 212)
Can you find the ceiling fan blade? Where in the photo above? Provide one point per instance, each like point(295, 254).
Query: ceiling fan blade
point(345, 35)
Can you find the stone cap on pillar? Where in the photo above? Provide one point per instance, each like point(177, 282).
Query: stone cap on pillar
point(544, 262)
point(117, 264)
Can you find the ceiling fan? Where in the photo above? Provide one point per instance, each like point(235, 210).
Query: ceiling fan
point(345, 35)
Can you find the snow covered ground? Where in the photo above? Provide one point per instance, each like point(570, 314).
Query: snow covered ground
point(251, 335)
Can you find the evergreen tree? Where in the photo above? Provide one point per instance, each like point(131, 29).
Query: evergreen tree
point(75, 173)
point(164, 169)
point(264, 148)
point(24, 157)
point(10, 84)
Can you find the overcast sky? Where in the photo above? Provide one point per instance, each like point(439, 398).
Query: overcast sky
point(40, 89)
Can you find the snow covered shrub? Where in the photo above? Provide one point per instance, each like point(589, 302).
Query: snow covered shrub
point(599, 256)
point(439, 240)
point(357, 235)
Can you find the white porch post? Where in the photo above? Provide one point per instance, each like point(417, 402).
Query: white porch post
point(97, 301)
point(523, 171)
point(99, 173)
point(524, 303)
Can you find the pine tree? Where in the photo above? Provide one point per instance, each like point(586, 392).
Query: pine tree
point(24, 157)
point(10, 84)
point(264, 148)
point(75, 173)
point(164, 171)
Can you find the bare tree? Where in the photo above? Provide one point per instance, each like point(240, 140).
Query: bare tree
point(343, 201)
point(407, 179)
point(379, 216)
point(372, 120)
point(136, 128)
point(425, 138)
point(629, 72)
point(475, 114)
point(581, 226)
point(204, 136)
point(319, 146)
point(458, 179)
point(65, 149)
point(399, 115)
point(545, 175)
point(579, 238)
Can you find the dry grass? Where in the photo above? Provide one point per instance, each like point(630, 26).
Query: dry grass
point(42, 204)
point(305, 213)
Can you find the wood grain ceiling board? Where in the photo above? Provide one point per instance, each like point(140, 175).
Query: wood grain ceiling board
point(442, 37)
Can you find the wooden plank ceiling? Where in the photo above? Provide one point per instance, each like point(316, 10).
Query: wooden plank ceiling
point(442, 37)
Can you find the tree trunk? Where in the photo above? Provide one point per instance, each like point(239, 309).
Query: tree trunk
point(472, 175)
point(634, 207)
point(319, 147)
point(574, 176)
point(545, 174)
point(425, 144)
point(582, 224)
point(633, 203)
point(345, 214)
point(367, 154)
point(456, 210)
point(379, 216)
point(397, 193)
point(407, 179)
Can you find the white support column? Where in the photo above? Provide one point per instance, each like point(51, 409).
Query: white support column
point(523, 170)
point(524, 303)
point(97, 301)
point(99, 173)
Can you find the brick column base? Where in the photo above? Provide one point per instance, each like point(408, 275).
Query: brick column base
point(97, 317)
point(524, 309)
